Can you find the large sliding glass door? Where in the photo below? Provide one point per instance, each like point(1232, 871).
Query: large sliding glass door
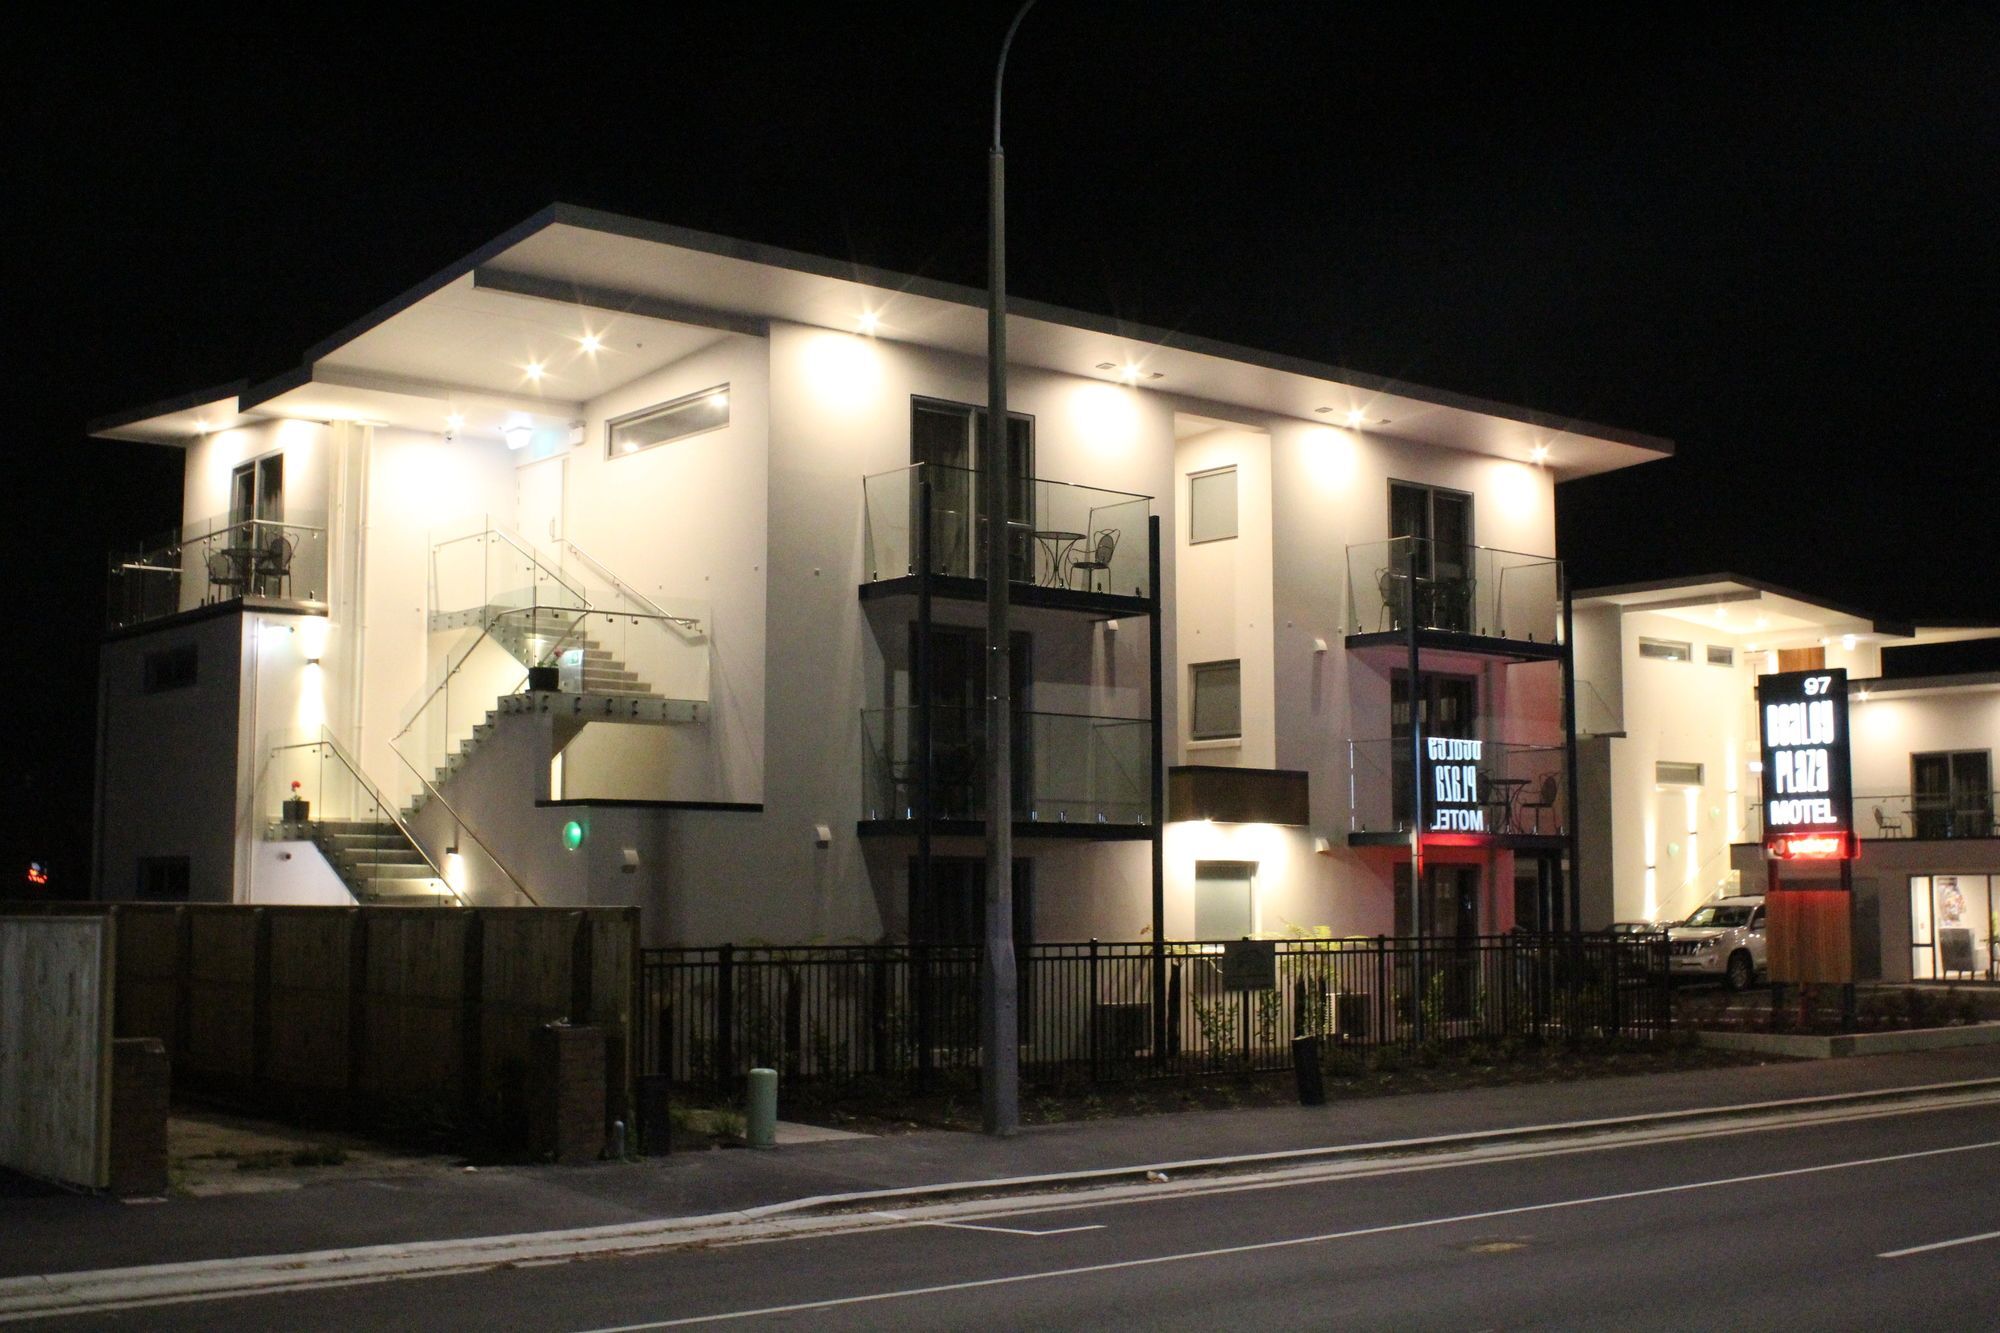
point(1952, 926)
point(951, 439)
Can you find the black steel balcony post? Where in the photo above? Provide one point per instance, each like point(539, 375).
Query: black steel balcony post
point(920, 699)
point(1157, 782)
point(1415, 700)
point(1570, 799)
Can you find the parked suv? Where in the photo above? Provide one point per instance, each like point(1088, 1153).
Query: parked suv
point(1724, 939)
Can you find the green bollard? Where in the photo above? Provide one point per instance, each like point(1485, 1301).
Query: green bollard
point(760, 1116)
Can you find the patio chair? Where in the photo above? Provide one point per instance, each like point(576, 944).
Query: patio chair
point(1888, 825)
point(273, 566)
point(1545, 798)
point(1103, 544)
point(224, 574)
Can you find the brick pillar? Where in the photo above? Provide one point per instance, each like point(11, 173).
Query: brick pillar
point(566, 1093)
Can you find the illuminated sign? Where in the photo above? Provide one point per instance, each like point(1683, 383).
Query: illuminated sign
point(1808, 795)
point(1455, 784)
point(38, 874)
point(1810, 846)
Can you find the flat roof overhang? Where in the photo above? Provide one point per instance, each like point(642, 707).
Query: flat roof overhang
point(1733, 604)
point(530, 294)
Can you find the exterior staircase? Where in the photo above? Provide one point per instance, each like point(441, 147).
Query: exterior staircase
point(595, 686)
point(378, 863)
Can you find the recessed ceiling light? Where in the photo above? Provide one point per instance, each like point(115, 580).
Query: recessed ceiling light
point(533, 370)
point(590, 342)
point(870, 321)
point(1847, 642)
point(1539, 454)
point(1355, 416)
point(456, 421)
point(201, 425)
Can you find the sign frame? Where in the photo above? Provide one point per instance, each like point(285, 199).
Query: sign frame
point(1808, 766)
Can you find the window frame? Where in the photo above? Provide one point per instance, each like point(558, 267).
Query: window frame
point(612, 452)
point(1235, 508)
point(1248, 873)
point(1195, 673)
point(1685, 655)
point(1728, 658)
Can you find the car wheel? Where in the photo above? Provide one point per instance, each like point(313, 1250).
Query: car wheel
point(1741, 971)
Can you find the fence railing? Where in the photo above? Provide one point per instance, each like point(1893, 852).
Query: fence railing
point(911, 1012)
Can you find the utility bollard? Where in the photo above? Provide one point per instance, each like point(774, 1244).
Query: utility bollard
point(760, 1115)
point(1305, 1063)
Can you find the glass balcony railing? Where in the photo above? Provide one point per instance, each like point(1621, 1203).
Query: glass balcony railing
point(1060, 536)
point(1068, 768)
point(1444, 586)
point(218, 560)
point(1503, 789)
point(1961, 814)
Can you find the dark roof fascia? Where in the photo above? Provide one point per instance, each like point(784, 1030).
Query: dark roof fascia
point(165, 406)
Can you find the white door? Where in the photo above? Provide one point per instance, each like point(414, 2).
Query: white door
point(539, 501)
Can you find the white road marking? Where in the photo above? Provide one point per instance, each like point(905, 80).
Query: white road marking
point(1004, 1231)
point(1294, 1241)
point(1016, 1231)
point(1940, 1245)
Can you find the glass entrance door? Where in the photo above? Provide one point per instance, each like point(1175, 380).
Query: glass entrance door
point(1952, 927)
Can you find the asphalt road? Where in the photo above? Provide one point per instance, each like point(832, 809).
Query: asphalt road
point(1801, 1227)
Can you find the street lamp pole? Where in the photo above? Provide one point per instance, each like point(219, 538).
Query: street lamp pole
point(999, 1002)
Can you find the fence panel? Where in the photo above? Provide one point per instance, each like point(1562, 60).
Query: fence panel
point(911, 1012)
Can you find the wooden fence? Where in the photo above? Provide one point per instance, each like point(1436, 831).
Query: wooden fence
point(373, 1015)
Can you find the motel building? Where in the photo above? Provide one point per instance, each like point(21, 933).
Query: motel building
point(619, 564)
point(1673, 793)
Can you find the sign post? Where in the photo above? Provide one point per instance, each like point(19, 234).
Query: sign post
point(1808, 818)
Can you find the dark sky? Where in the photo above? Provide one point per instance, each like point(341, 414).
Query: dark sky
point(1765, 231)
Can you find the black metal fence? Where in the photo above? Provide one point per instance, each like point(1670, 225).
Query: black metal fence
point(1102, 1011)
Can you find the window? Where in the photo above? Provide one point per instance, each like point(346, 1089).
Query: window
point(949, 439)
point(168, 669)
point(1218, 701)
point(164, 879)
point(697, 412)
point(1669, 774)
point(1224, 899)
point(1721, 655)
point(1666, 650)
point(1212, 505)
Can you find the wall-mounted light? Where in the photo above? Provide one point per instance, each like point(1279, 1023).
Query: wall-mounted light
point(572, 836)
point(517, 436)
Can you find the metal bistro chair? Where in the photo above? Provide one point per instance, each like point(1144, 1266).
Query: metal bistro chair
point(1886, 824)
point(1103, 545)
point(273, 566)
point(1546, 799)
point(224, 574)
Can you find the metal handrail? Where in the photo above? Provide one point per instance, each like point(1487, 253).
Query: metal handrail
point(333, 746)
point(465, 828)
point(485, 633)
point(690, 625)
point(974, 472)
point(1468, 546)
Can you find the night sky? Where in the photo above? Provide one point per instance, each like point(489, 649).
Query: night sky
point(1766, 232)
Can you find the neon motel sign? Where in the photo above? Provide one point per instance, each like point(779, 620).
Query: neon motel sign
point(1808, 794)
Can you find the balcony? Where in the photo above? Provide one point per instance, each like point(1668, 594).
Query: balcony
point(1510, 795)
point(1924, 816)
point(1074, 775)
point(1068, 545)
point(217, 561)
point(1454, 594)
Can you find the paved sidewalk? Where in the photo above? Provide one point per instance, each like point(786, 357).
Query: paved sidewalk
point(52, 1234)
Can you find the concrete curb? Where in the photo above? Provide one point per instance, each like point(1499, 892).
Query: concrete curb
point(44, 1295)
point(1842, 1045)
